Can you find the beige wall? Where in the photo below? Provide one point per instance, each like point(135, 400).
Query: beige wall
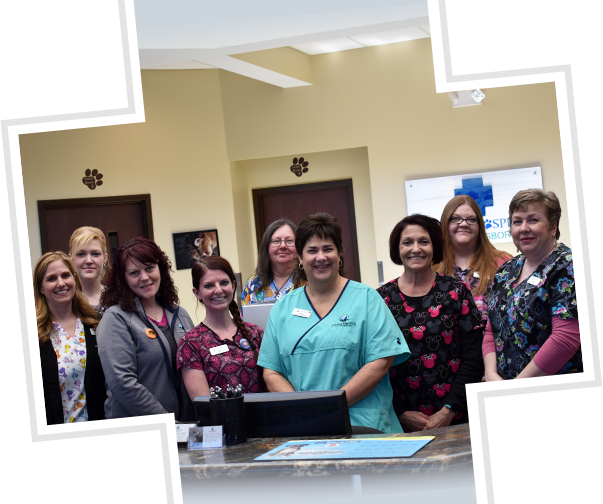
point(371, 114)
point(384, 98)
point(332, 165)
point(178, 156)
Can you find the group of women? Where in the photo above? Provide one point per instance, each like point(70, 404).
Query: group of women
point(461, 312)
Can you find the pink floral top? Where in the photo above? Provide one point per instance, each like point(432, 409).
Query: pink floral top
point(481, 300)
point(71, 357)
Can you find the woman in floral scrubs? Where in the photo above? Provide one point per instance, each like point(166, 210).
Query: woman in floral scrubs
point(533, 325)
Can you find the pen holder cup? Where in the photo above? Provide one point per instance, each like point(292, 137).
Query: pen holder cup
point(230, 414)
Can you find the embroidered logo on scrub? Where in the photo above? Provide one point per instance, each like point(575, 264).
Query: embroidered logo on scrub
point(151, 334)
point(344, 321)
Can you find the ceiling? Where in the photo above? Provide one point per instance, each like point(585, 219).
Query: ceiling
point(198, 34)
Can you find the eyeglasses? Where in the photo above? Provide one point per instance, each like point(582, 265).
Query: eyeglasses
point(455, 219)
point(277, 242)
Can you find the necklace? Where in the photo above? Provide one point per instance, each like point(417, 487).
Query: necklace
point(277, 288)
point(153, 316)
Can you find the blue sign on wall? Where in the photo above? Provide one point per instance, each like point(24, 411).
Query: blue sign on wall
point(492, 191)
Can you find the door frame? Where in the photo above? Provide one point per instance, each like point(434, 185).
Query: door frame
point(43, 205)
point(258, 195)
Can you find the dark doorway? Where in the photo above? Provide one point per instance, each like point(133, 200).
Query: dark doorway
point(119, 217)
point(296, 202)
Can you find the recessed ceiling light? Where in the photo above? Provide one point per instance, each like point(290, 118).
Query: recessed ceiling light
point(327, 46)
point(390, 36)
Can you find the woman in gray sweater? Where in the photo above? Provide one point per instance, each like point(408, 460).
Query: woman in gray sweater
point(139, 333)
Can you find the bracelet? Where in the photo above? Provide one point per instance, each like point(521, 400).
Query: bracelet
point(450, 408)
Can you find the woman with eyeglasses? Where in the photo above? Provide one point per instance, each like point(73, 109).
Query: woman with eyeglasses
point(469, 256)
point(276, 273)
point(468, 253)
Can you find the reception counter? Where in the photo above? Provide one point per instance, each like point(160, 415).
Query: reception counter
point(529, 443)
point(451, 448)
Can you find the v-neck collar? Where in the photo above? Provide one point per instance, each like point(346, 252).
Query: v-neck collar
point(539, 269)
point(332, 307)
point(218, 337)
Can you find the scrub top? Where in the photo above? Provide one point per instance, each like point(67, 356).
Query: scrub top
point(316, 353)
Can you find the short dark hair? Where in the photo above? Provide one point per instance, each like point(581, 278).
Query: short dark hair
point(145, 251)
point(324, 226)
point(431, 225)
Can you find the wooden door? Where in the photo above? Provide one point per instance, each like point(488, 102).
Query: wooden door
point(120, 218)
point(297, 202)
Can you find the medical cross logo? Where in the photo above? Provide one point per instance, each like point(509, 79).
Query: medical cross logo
point(475, 188)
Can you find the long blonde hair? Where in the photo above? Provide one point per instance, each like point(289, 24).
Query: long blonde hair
point(485, 258)
point(79, 304)
point(82, 236)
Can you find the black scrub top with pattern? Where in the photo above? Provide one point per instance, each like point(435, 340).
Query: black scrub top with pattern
point(444, 331)
point(522, 317)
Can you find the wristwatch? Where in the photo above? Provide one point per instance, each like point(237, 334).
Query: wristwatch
point(450, 408)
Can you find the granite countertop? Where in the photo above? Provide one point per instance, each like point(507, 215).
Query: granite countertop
point(450, 448)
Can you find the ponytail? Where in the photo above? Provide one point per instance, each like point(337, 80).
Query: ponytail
point(236, 317)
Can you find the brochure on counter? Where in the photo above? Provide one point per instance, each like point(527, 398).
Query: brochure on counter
point(386, 447)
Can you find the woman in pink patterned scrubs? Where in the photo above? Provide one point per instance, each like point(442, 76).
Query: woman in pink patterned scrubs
point(222, 350)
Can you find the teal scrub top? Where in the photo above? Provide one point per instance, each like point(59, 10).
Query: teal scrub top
point(324, 354)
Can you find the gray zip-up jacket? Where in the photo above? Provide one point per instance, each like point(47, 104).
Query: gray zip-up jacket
point(137, 376)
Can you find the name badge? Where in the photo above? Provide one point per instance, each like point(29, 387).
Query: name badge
point(534, 280)
point(218, 349)
point(475, 274)
point(301, 313)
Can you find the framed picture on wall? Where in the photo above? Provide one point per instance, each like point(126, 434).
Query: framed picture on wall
point(193, 245)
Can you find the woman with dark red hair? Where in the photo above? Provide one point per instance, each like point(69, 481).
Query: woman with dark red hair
point(139, 334)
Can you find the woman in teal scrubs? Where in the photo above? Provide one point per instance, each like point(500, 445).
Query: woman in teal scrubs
point(334, 333)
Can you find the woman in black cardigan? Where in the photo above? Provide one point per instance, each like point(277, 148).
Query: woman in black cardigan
point(72, 376)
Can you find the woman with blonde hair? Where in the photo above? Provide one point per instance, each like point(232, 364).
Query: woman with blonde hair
point(88, 250)
point(72, 376)
point(468, 254)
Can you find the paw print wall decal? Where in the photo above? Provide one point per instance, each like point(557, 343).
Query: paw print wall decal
point(299, 166)
point(92, 179)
